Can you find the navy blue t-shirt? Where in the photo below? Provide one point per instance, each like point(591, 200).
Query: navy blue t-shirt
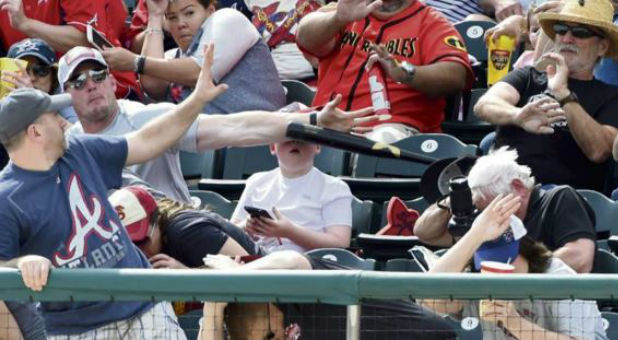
point(63, 214)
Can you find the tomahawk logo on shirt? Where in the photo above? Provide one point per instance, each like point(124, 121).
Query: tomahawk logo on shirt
point(88, 219)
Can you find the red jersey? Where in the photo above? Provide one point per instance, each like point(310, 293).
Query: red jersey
point(419, 35)
point(107, 16)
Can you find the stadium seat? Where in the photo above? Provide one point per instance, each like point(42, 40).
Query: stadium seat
point(473, 34)
point(297, 91)
point(214, 201)
point(380, 178)
point(436, 145)
point(189, 322)
point(606, 213)
point(343, 257)
point(362, 216)
point(605, 262)
point(610, 323)
point(403, 265)
point(197, 165)
point(467, 329)
point(240, 163)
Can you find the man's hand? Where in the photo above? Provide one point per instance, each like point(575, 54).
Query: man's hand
point(390, 65)
point(352, 10)
point(537, 117)
point(505, 8)
point(205, 90)
point(554, 6)
point(119, 59)
point(511, 26)
point(16, 14)
point(334, 118)
point(165, 261)
point(495, 219)
point(34, 271)
point(500, 312)
point(557, 76)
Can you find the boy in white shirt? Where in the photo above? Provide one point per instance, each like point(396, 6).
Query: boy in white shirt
point(310, 209)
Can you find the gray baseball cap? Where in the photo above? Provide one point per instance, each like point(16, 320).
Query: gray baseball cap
point(22, 107)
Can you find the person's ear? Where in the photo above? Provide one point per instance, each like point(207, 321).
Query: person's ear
point(518, 187)
point(113, 80)
point(603, 47)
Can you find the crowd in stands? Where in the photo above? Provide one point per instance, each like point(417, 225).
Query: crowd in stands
point(91, 139)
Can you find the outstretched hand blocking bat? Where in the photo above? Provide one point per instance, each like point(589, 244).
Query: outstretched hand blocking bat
point(345, 141)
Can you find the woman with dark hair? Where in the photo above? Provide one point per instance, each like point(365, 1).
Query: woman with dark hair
point(242, 60)
point(497, 236)
point(41, 72)
point(175, 235)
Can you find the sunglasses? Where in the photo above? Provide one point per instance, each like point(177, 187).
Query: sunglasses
point(580, 32)
point(39, 70)
point(78, 81)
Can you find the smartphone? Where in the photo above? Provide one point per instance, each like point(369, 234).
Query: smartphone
point(257, 212)
point(96, 39)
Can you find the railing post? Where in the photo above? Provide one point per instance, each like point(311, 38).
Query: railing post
point(353, 321)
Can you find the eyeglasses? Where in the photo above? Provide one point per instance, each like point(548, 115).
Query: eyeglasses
point(78, 81)
point(580, 32)
point(38, 70)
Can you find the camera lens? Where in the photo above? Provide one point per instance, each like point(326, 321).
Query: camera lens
point(461, 196)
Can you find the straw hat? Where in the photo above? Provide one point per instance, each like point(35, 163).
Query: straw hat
point(595, 13)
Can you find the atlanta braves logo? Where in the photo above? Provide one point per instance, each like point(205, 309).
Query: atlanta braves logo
point(87, 216)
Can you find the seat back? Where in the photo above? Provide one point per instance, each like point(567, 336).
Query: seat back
point(240, 163)
point(419, 204)
point(197, 165)
point(403, 265)
point(332, 161)
point(216, 202)
point(605, 211)
point(469, 102)
point(297, 91)
point(343, 257)
point(473, 34)
point(610, 323)
point(467, 329)
point(604, 262)
point(362, 216)
point(435, 145)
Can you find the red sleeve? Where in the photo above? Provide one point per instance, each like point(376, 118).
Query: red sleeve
point(79, 13)
point(139, 21)
point(440, 41)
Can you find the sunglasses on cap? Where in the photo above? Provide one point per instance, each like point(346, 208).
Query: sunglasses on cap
point(78, 81)
point(580, 32)
point(39, 70)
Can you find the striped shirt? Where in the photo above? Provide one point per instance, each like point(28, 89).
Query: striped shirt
point(455, 10)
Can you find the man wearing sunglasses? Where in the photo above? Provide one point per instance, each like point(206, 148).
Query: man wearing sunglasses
point(84, 73)
point(561, 120)
point(55, 213)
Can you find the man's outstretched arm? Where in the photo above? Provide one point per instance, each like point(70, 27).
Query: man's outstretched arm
point(163, 132)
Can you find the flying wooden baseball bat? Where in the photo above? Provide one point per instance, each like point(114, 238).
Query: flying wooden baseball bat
point(345, 141)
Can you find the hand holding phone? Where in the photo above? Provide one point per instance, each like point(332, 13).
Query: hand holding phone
point(257, 212)
point(96, 39)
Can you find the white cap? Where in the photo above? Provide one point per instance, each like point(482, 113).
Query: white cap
point(73, 58)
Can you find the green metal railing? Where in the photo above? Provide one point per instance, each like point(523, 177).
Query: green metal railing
point(348, 287)
point(336, 287)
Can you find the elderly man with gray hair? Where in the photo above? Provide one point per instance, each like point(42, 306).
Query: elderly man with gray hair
point(558, 217)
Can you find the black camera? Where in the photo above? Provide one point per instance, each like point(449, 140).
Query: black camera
point(464, 211)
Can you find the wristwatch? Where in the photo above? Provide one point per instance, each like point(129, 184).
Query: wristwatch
point(572, 97)
point(410, 71)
